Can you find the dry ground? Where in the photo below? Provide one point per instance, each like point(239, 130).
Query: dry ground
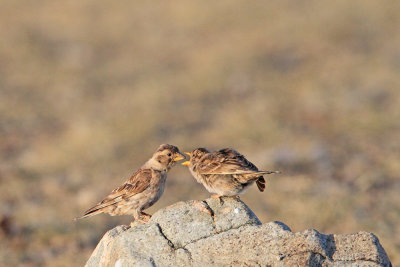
point(89, 89)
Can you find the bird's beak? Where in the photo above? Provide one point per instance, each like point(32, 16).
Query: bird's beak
point(179, 157)
point(186, 163)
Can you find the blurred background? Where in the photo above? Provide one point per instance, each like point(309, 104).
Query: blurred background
point(89, 89)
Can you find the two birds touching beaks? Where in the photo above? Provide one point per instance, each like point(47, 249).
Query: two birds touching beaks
point(223, 173)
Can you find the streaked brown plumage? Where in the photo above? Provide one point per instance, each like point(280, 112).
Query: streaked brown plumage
point(225, 172)
point(143, 189)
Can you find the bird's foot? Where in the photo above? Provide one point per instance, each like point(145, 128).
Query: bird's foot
point(219, 197)
point(146, 217)
point(139, 221)
point(143, 218)
point(236, 197)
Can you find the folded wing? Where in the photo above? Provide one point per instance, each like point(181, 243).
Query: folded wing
point(231, 162)
point(135, 185)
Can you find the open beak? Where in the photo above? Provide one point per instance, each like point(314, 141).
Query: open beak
point(179, 157)
point(186, 163)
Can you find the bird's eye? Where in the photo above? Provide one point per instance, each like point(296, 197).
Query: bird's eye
point(169, 154)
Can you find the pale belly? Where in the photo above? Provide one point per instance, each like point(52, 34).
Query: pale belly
point(222, 185)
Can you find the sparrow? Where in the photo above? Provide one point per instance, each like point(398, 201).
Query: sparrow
point(225, 172)
point(142, 190)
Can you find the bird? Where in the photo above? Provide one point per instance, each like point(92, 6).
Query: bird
point(142, 189)
point(225, 172)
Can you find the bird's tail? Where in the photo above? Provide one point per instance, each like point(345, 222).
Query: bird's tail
point(89, 213)
point(267, 172)
point(261, 184)
point(261, 181)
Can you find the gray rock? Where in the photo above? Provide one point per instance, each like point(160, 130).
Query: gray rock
point(210, 233)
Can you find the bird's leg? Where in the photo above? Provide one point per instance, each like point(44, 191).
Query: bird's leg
point(219, 197)
point(137, 221)
point(146, 216)
point(138, 218)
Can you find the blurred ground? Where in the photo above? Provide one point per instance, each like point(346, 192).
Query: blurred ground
point(89, 89)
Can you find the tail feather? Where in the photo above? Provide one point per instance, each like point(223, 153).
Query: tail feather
point(267, 172)
point(261, 181)
point(99, 208)
point(89, 213)
point(241, 172)
point(261, 184)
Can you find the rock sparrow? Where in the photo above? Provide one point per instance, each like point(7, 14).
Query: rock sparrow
point(142, 190)
point(225, 172)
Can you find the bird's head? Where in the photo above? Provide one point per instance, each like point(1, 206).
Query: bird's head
point(167, 155)
point(195, 156)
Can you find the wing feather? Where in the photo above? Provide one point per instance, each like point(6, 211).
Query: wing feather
point(226, 161)
point(139, 181)
point(230, 162)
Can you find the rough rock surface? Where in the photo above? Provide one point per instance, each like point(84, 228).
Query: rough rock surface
point(210, 233)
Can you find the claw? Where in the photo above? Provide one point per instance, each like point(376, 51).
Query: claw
point(146, 216)
point(221, 201)
point(143, 218)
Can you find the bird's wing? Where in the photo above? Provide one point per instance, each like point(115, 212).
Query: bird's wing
point(139, 181)
point(226, 161)
point(230, 162)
